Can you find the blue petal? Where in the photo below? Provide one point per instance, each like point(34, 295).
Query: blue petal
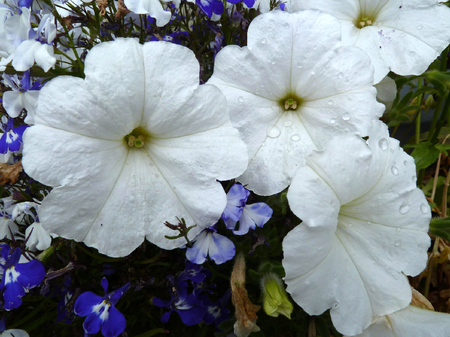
point(198, 252)
point(161, 303)
point(206, 6)
point(84, 305)
point(222, 249)
point(105, 285)
point(13, 142)
point(249, 3)
point(115, 324)
point(117, 294)
point(93, 323)
point(253, 215)
point(218, 7)
point(193, 315)
point(3, 145)
point(166, 316)
point(12, 295)
point(31, 274)
point(236, 199)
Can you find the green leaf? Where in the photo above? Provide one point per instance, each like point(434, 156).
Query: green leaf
point(425, 154)
point(440, 227)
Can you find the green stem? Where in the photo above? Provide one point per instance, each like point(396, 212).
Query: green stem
point(440, 124)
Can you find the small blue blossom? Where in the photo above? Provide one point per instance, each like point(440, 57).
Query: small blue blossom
point(11, 139)
point(193, 272)
point(250, 216)
point(210, 6)
point(175, 37)
point(190, 310)
point(100, 311)
point(219, 248)
point(17, 278)
point(216, 312)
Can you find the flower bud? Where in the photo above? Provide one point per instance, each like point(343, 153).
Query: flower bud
point(276, 300)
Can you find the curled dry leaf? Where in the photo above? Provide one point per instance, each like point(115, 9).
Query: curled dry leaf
point(10, 173)
point(245, 309)
point(420, 301)
point(122, 10)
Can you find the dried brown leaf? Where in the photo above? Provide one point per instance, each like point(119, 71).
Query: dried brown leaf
point(10, 173)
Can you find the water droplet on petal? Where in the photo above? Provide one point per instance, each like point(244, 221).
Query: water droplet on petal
point(313, 72)
point(263, 41)
point(273, 61)
point(241, 99)
point(295, 138)
point(404, 208)
point(299, 65)
point(350, 225)
point(405, 163)
point(273, 131)
point(333, 121)
point(420, 247)
point(397, 244)
point(424, 208)
point(340, 75)
point(335, 305)
point(394, 170)
point(286, 25)
point(383, 143)
point(414, 178)
point(330, 102)
point(345, 117)
point(398, 229)
point(315, 48)
point(419, 27)
point(288, 123)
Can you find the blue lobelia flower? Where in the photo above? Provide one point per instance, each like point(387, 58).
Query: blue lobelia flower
point(190, 310)
point(250, 216)
point(219, 248)
point(216, 312)
point(11, 139)
point(193, 272)
point(17, 278)
point(248, 3)
point(100, 311)
point(210, 6)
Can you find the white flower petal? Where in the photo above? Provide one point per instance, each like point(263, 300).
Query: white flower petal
point(408, 322)
point(39, 239)
point(359, 255)
point(152, 8)
point(293, 54)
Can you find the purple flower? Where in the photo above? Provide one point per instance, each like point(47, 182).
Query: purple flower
point(248, 3)
point(216, 312)
point(249, 216)
point(175, 37)
point(190, 310)
point(193, 272)
point(11, 139)
point(100, 311)
point(18, 277)
point(219, 248)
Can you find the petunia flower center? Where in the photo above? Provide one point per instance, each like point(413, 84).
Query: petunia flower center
point(290, 102)
point(137, 138)
point(364, 20)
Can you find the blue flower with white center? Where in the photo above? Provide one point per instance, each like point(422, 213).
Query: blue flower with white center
point(190, 310)
point(216, 312)
point(11, 139)
point(210, 6)
point(249, 216)
point(193, 272)
point(219, 248)
point(18, 277)
point(100, 311)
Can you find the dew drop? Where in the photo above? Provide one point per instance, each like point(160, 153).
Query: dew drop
point(414, 178)
point(394, 170)
point(315, 48)
point(419, 27)
point(295, 138)
point(404, 208)
point(333, 121)
point(288, 124)
point(299, 65)
point(345, 117)
point(286, 25)
point(330, 102)
point(350, 225)
point(424, 208)
point(398, 229)
point(340, 75)
point(335, 305)
point(397, 244)
point(273, 61)
point(405, 163)
point(263, 41)
point(383, 143)
point(241, 99)
point(420, 247)
point(369, 223)
point(262, 85)
point(313, 72)
point(273, 131)
point(289, 129)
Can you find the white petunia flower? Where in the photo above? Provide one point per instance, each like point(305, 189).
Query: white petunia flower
point(154, 8)
point(290, 90)
point(403, 36)
point(410, 322)
point(135, 144)
point(364, 228)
